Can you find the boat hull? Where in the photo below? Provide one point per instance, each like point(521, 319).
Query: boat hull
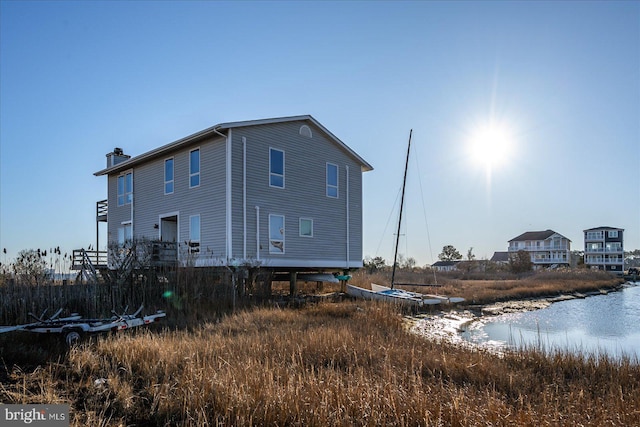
point(400, 297)
point(428, 299)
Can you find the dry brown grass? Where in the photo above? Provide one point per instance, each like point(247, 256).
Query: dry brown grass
point(329, 364)
point(485, 291)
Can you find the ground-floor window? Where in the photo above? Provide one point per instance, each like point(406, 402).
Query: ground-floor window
point(194, 234)
point(125, 233)
point(276, 234)
point(306, 227)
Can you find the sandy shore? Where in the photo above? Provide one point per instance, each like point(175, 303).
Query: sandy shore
point(448, 326)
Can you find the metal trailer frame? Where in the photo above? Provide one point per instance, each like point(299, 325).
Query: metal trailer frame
point(74, 327)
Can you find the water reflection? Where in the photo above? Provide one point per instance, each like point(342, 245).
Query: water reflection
point(605, 324)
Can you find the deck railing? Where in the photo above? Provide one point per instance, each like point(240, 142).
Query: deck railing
point(533, 248)
point(82, 256)
point(603, 260)
point(550, 261)
point(102, 209)
point(604, 250)
point(164, 253)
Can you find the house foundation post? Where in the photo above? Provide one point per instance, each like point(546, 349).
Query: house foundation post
point(343, 283)
point(266, 287)
point(293, 279)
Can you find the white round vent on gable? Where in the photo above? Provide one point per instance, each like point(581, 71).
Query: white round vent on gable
point(305, 131)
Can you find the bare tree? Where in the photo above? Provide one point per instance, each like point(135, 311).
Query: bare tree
point(409, 263)
point(374, 264)
point(470, 255)
point(31, 268)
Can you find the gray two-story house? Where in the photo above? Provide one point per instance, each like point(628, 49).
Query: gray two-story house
point(283, 193)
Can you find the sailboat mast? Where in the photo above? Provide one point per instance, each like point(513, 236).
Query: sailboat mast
point(404, 184)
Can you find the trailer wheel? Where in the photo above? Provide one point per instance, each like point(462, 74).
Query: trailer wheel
point(72, 338)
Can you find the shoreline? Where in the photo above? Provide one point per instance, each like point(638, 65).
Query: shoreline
point(448, 325)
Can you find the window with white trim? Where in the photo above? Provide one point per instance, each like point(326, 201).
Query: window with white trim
point(306, 227)
point(612, 234)
point(125, 189)
point(276, 234)
point(168, 176)
point(276, 168)
point(332, 180)
point(306, 131)
point(194, 234)
point(194, 168)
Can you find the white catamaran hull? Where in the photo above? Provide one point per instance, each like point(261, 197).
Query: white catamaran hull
point(398, 297)
point(426, 299)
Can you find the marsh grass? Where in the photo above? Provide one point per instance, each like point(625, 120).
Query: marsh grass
point(501, 288)
point(344, 363)
point(339, 364)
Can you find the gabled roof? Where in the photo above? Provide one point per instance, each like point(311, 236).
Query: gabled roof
point(603, 228)
point(445, 263)
point(217, 130)
point(536, 235)
point(500, 257)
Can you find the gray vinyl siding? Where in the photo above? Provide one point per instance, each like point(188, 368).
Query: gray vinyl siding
point(206, 200)
point(303, 196)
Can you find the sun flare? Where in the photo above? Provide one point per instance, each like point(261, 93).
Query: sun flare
point(490, 144)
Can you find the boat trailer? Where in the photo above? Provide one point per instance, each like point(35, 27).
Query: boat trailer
point(74, 327)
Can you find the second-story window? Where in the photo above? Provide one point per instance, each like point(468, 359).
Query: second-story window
point(194, 168)
point(332, 180)
point(125, 189)
point(613, 234)
point(168, 176)
point(276, 168)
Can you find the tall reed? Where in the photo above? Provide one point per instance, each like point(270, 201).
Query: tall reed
point(328, 364)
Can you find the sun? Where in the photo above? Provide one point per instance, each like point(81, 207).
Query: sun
point(490, 144)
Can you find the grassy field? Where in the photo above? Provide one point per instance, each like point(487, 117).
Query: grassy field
point(340, 363)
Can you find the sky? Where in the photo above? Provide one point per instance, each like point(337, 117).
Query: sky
point(558, 81)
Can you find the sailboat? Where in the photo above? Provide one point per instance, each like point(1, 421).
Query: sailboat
point(392, 294)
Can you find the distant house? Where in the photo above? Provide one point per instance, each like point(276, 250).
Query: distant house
point(283, 193)
point(500, 257)
point(445, 265)
point(604, 248)
point(546, 248)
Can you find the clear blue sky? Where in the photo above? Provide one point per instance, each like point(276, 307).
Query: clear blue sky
point(80, 78)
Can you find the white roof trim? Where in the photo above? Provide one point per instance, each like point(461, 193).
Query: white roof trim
point(214, 130)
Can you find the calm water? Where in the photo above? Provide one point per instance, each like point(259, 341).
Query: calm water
point(608, 324)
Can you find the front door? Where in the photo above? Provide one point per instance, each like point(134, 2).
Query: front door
point(169, 228)
point(166, 251)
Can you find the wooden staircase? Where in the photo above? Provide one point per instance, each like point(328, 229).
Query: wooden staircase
point(92, 265)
